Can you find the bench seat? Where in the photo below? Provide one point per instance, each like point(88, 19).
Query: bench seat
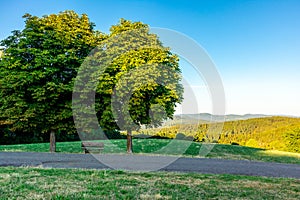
point(91, 146)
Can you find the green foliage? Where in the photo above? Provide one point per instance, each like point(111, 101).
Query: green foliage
point(277, 145)
point(145, 79)
point(40, 63)
point(165, 132)
point(251, 143)
point(136, 80)
point(292, 138)
point(38, 68)
point(269, 133)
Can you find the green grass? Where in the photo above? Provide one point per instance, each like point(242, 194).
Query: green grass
point(36, 183)
point(151, 146)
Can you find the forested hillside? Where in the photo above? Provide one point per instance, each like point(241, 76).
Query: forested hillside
point(279, 133)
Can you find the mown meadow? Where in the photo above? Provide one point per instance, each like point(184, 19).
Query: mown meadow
point(37, 183)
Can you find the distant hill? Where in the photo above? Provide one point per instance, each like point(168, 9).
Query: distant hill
point(207, 117)
point(261, 131)
point(210, 117)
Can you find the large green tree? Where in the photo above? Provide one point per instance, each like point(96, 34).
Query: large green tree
point(38, 68)
point(136, 81)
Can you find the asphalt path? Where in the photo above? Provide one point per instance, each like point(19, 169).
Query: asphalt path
point(149, 163)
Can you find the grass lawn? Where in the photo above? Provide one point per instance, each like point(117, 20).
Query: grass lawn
point(37, 183)
point(151, 146)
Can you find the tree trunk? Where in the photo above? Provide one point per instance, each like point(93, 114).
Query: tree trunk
point(129, 141)
point(52, 142)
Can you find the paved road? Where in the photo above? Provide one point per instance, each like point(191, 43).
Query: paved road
point(149, 163)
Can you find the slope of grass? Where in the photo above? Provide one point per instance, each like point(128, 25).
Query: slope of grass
point(151, 146)
point(36, 183)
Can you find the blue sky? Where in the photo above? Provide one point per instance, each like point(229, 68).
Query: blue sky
point(255, 45)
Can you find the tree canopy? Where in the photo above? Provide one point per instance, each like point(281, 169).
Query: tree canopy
point(38, 69)
point(135, 80)
point(138, 80)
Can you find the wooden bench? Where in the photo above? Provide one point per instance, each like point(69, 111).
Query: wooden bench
point(88, 146)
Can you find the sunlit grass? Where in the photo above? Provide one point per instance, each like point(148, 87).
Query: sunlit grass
point(280, 153)
point(37, 183)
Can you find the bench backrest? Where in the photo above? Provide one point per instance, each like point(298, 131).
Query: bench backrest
point(92, 144)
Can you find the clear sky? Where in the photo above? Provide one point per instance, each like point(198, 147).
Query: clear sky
point(255, 45)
